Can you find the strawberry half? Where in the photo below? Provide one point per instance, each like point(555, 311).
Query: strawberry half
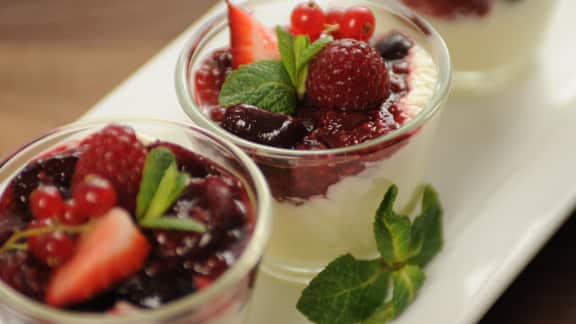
point(109, 253)
point(250, 41)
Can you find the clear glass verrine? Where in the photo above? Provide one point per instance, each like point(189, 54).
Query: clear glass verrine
point(312, 229)
point(226, 299)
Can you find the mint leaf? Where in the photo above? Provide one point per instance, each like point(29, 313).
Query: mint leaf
point(347, 291)
point(169, 189)
point(286, 48)
point(406, 283)
point(312, 50)
point(173, 223)
point(264, 84)
point(427, 229)
point(296, 53)
point(393, 232)
point(157, 161)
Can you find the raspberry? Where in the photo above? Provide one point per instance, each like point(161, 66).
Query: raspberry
point(348, 75)
point(211, 75)
point(115, 154)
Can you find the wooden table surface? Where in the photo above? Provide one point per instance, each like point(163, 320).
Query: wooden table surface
point(58, 58)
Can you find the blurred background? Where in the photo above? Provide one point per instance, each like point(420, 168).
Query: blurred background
point(58, 58)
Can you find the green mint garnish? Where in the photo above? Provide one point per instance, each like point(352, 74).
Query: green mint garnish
point(173, 223)
point(162, 183)
point(355, 291)
point(272, 85)
point(157, 161)
point(264, 84)
point(296, 53)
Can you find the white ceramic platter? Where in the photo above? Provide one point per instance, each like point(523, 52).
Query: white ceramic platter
point(505, 167)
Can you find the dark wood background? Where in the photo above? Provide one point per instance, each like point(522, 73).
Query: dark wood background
point(58, 58)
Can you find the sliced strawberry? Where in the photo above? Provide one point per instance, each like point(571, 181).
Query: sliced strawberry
point(250, 41)
point(109, 253)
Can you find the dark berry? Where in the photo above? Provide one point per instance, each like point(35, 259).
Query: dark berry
point(151, 288)
point(23, 272)
point(46, 202)
point(307, 18)
point(116, 154)
point(94, 196)
point(220, 202)
point(210, 76)
point(358, 23)
point(56, 170)
point(394, 46)
point(348, 75)
point(262, 126)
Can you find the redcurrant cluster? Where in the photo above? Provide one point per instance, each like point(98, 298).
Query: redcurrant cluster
point(54, 241)
point(355, 22)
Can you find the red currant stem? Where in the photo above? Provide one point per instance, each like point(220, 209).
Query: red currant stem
point(12, 242)
point(19, 246)
point(328, 29)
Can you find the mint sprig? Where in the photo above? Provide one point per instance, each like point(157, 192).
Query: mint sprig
point(296, 53)
point(161, 185)
point(274, 85)
point(264, 84)
point(354, 291)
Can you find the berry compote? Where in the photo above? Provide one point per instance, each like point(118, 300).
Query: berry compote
point(103, 223)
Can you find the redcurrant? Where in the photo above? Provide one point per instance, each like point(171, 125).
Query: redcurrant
point(71, 215)
point(358, 23)
point(308, 19)
point(334, 17)
point(53, 248)
point(46, 202)
point(94, 196)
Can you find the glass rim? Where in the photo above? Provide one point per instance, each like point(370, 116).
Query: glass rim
point(216, 22)
point(249, 258)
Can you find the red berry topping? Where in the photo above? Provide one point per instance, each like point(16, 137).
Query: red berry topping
point(308, 19)
point(116, 154)
point(358, 23)
point(109, 253)
point(46, 202)
point(250, 41)
point(335, 16)
point(211, 75)
point(94, 196)
point(71, 215)
point(348, 75)
point(53, 248)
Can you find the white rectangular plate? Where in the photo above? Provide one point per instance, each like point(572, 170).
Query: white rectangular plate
point(504, 166)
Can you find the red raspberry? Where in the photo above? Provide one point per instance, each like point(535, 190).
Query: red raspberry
point(211, 75)
point(348, 75)
point(115, 154)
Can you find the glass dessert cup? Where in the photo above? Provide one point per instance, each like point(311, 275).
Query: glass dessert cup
point(491, 42)
point(224, 300)
point(325, 199)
